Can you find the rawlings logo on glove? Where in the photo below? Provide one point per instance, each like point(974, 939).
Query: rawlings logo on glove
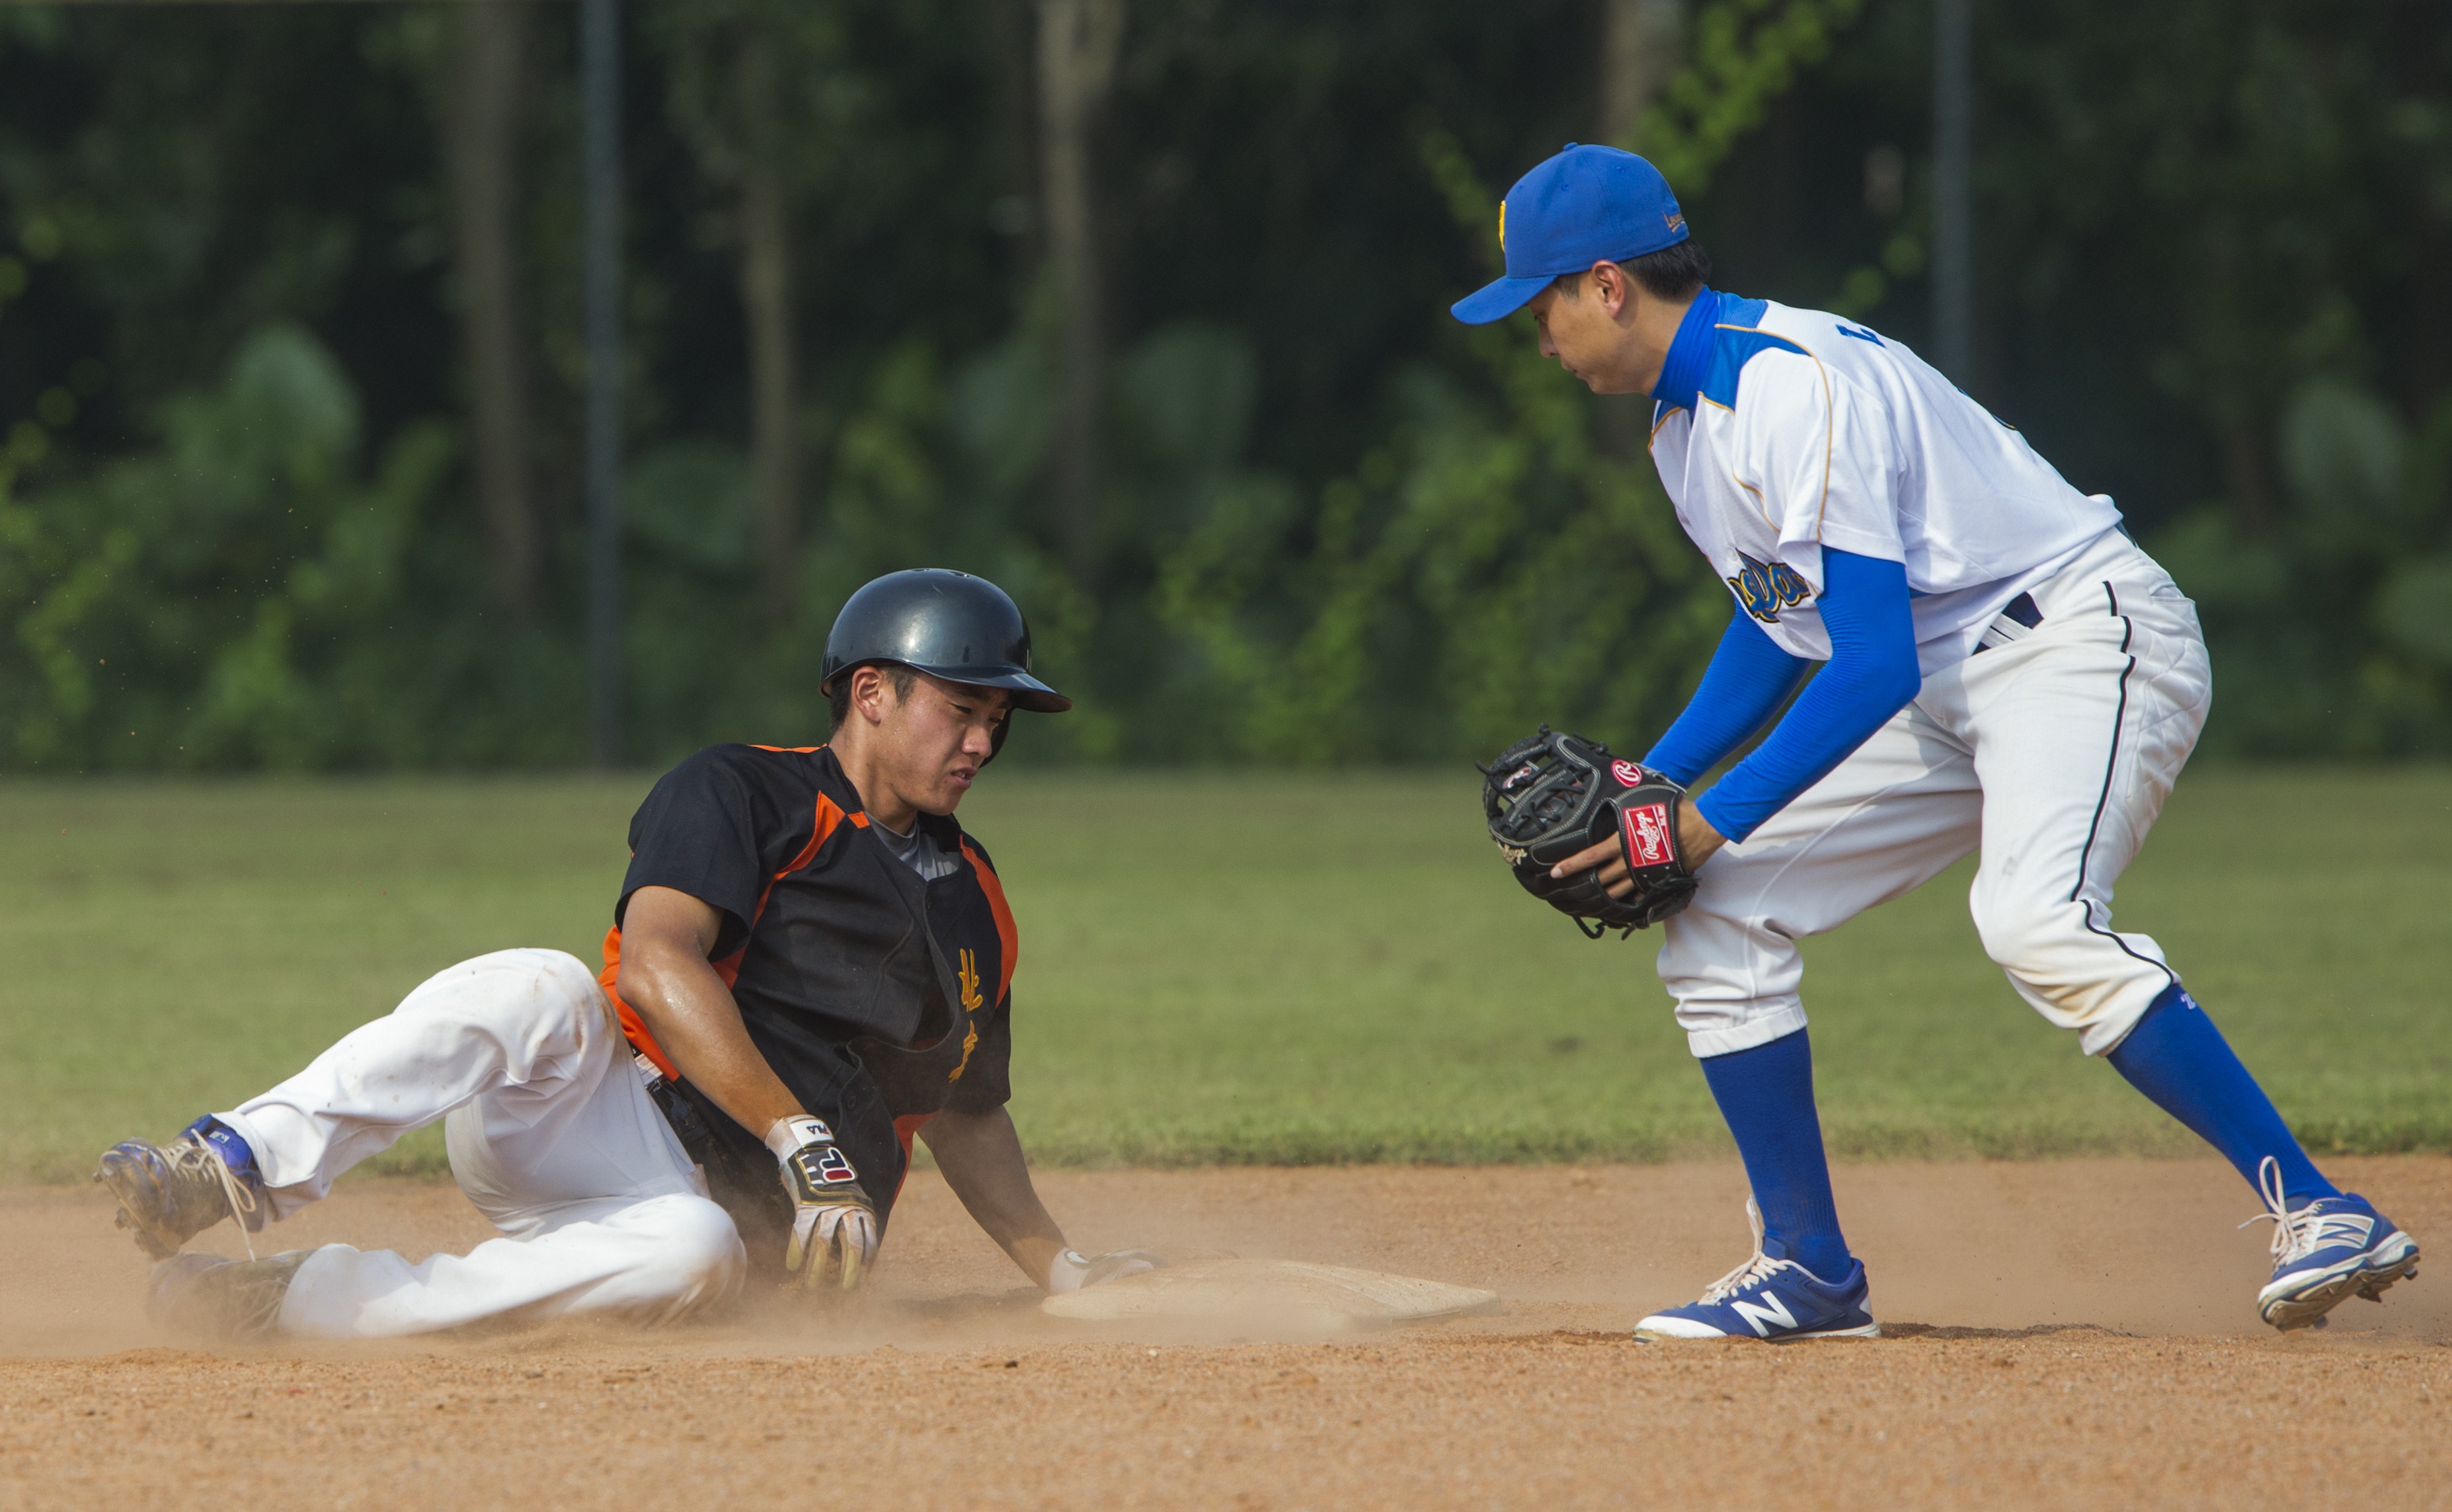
point(1551, 795)
point(1645, 831)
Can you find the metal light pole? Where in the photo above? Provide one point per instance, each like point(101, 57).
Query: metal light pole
point(1953, 131)
point(600, 70)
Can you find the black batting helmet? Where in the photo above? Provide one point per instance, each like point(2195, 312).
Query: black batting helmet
point(946, 623)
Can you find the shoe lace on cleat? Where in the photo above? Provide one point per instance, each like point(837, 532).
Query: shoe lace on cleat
point(194, 1158)
point(1758, 1267)
point(2298, 1235)
point(241, 1196)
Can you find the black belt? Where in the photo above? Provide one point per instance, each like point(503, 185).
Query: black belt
point(2020, 609)
point(688, 1127)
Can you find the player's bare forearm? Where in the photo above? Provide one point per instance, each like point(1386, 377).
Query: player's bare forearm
point(1696, 841)
point(980, 1157)
point(666, 978)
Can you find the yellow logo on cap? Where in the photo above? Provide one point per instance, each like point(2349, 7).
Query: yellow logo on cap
point(1674, 220)
point(1502, 226)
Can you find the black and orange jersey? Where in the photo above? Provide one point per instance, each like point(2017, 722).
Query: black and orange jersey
point(845, 965)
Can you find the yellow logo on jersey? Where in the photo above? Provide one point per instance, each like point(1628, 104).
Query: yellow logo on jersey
point(969, 975)
point(1766, 588)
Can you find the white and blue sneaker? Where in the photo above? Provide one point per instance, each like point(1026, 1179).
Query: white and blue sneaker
point(2325, 1251)
point(1770, 1297)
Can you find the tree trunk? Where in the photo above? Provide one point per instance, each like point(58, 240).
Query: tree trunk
point(1641, 41)
point(2419, 38)
point(481, 138)
point(1077, 42)
point(1640, 46)
point(766, 305)
point(1014, 46)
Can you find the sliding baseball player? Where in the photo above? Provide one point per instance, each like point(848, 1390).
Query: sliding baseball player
point(811, 962)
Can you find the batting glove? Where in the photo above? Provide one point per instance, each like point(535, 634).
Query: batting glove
point(1070, 1270)
point(835, 1230)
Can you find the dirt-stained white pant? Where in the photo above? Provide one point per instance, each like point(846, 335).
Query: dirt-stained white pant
point(551, 1133)
point(2052, 753)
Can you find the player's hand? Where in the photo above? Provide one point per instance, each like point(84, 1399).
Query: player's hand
point(835, 1232)
point(1072, 1271)
point(1696, 840)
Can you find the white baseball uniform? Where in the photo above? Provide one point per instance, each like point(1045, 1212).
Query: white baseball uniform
point(551, 1133)
point(2050, 747)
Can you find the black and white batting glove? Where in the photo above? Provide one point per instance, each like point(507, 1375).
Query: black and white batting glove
point(835, 1230)
point(1071, 1270)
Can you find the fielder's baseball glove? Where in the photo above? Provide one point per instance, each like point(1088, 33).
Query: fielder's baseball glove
point(1551, 795)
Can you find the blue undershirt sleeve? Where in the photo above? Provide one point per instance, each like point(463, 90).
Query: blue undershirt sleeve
point(1872, 675)
point(1742, 688)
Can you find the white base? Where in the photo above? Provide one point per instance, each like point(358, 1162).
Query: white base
point(1274, 1293)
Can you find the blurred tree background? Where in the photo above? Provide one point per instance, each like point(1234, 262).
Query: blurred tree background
point(1139, 307)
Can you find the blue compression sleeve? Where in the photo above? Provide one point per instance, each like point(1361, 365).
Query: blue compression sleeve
point(1872, 675)
point(1745, 682)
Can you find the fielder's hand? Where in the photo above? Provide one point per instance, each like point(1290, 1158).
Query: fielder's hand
point(1604, 841)
point(833, 1225)
point(1697, 841)
point(1072, 1271)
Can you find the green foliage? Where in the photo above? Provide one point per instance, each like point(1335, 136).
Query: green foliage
point(1488, 566)
point(765, 82)
point(2214, 244)
point(1484, 568)
point(2334, 622)
point(269, 600)
point(1745, 53)
point(1228, 966)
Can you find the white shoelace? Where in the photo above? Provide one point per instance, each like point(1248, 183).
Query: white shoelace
point(188, 1154)
point(1758, 1267)
point(2297, 1235)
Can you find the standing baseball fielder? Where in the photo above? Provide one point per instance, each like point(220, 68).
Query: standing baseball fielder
point(810, 961)
point(2005, 672)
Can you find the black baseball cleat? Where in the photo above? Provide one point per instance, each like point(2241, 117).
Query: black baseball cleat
point(225, 1300)
point(170, 1194)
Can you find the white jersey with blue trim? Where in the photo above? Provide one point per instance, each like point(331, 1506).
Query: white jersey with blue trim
point(1798, 430)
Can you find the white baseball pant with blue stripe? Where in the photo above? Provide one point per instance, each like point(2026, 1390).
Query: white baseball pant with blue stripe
point(2052, 753)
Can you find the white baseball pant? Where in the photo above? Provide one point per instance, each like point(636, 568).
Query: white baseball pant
point(550, 1134)
point(2052, 753)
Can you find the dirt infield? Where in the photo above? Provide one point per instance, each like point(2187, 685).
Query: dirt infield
point(2062, 1334)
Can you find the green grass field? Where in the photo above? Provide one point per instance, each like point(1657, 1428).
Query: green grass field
point(1237, 967)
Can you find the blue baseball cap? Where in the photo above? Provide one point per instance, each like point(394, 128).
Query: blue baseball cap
point(1584, 206)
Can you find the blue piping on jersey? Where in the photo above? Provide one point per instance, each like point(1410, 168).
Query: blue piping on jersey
point(1873, 671)
point(1690, 355)
point(1713, 345)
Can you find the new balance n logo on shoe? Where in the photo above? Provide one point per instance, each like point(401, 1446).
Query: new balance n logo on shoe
point(1772, 1297)
point(1760, 1316)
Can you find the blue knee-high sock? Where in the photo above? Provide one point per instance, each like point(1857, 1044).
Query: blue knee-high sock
point(2178, 1058)
point(1767, 1096)
point(234, 1150)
